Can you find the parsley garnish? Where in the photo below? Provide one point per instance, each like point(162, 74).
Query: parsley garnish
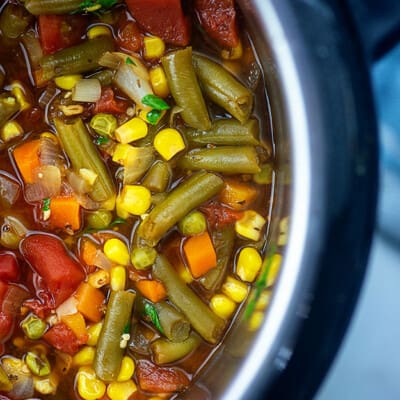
point(102, 140)
point(261, 283)
point(153, 116)
point(96, 5)
point(117, 221)
point(129, 61)
point(151, 312)
point(46, 204)
point(155, 102)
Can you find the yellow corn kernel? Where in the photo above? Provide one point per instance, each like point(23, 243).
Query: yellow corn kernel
point(99, 278)
point(127, 369)
point(121, 212)
point(89, 386)
point(235, 289)
point(117, 278)
point(108, 204)
point(97, 31)
point(84, 356)
point(250, 225)
point(17, 89)
point(168, 142)
point(234, 53)
point(11, 130)
point(122, 152)
point(135, 199)
point(45, 385)
point(255, 321)
point(94, 333)
point(131, 130)
point(248, 264)
point(274, 269)
point(154, 47)
point(263, 300)
point(222, 305)
point(116, 251)
point(121, 390)
point(159, 82)
point(67, 82)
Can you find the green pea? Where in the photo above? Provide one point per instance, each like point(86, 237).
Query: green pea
point(99, 219)
point(193, 223)
point(39, 365)
point(33, 327)
point(143, 257)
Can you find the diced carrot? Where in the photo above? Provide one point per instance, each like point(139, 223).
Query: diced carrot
point(88, 251)
point(153, 290)
point(90, 302)
point(26, 157)
point(65, 212)
point(200, 254)
point(76, 323)
point(237, 195)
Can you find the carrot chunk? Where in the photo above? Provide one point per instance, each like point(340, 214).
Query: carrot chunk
point(26, 157)
point(90, 302)
point(65, 212)
point(153, 290)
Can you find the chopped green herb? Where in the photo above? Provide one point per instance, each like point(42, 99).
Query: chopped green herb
point(153, 116)
point(117, 221)
point(129, 61)
point(261, 283)
point(46, 204)
point(127, 328)
point(155, 102)
point(96, 5)
point(151, 312)
point(102, 140)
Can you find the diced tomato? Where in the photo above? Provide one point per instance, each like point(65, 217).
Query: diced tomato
point(60, 273)
point(57, 32)
point(61, 337)
point(155, 379)
point(130, 38)
point(9, 268)
point(219, 215)
point(218, 18)
point(108, 103)
point(163, 18)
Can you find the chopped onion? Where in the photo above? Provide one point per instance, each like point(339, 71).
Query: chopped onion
point(86, 202)
point(49, 151)
point(11, 232)
point(78, 184)
point(9, 190)
point(87, 90)
point(47, 96)
point(102, 261)
point(47, 183)
point(67, 308)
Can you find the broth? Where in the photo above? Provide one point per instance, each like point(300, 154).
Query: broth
point(136, 183)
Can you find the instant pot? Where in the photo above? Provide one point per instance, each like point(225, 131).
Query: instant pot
point(315, 57)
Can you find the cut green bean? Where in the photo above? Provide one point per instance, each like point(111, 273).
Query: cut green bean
point(14, 20)
point(185, 89)
point(164, 351)
point(223, 88)
point(8, 107)
point(82, 153)
point(223, 240)
point(77, 59)
point(112, 342)
point(43, 7)
point(199, 188)
point(265, 176)
point(227, 132)
point(105, 76)
point(158, 177)
point(229, 160)
point(202, 319)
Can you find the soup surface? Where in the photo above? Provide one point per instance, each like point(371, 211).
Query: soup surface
point(136, 184)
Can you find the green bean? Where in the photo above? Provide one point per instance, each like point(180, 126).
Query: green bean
point(82, 153)
point(185, 89)
point(228, 132)
point(172, 323)
point(265, 176)
point(8, 107)
point(105, 77)
point(208, 325)
point(199, 188)
point(77, 59)
point(226, 159)
point(223, 89)
point(14, 20)
point(223, 240)
point(165, 351)
point(158, 177)
point(43, 7)
point(111, 345)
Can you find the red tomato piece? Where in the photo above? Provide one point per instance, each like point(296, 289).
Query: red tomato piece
point(155, 379)
point(60, 273)
point(163, 18)
point(62, 338)
point(130, 38)
point(9, 268)
point(218, 18)
point(57, 32)
point(108, 103)
point(219, 215)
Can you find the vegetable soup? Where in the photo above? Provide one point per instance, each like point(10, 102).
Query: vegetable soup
point(136, 186)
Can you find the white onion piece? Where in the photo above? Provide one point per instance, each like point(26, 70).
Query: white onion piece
point(136, 64)
point(134, 86)
point(9, 190)
point(86, 202)
point(47, 183)
point(67, 308)
point(78, 184)
point(49, 151)
point(101, 261)
point(87, 90)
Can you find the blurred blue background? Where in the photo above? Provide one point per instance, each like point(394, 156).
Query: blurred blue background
point(367, 366)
